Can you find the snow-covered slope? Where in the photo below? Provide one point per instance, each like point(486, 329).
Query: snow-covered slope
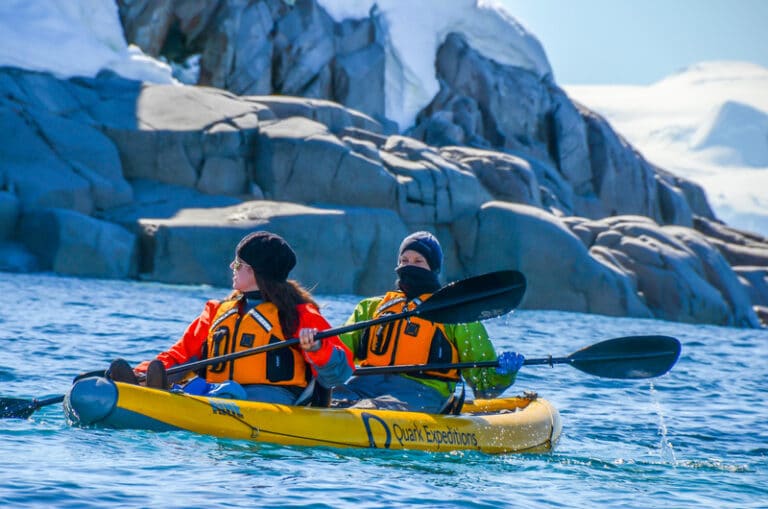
point(72, 38)
point(735, 134)
point(708, 123)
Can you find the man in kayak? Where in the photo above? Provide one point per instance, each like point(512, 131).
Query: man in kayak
point(263, 308)
point(418, 341)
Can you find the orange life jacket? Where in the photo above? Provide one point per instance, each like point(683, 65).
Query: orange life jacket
point(407, 341)
point(232, 331)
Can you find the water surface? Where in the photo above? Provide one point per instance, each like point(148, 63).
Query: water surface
point(696, 437)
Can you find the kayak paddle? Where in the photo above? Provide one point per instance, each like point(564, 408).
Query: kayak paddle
point(468, 300)
point(23, 408)
point(630, 357)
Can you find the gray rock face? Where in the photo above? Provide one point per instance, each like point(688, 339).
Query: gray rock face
point(617, 168)
point(585, 169)
point(508, 99)
point(14, 257)
point(358, 80)
point(679, 273)
point(565, 272)
point(432, 189)
point(277, 47)
point(51, 161)
point(186, 136)
point(267, 47)
point(334, 116)
point(338, 250)
point(68, 242)
point(300, 160)
point(10, 209)
point(504, 176)
point(755, 280)
point(106, 177)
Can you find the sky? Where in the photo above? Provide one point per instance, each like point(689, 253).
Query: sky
point(641, 41)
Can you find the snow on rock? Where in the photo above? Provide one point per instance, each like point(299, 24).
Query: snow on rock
point(415, 32)
point(72, 39)
point(707, 123)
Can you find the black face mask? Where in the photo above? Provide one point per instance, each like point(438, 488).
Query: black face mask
point(415, 281)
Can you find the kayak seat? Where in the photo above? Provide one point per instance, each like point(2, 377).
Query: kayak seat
point(321, 397)
point(455, 403)
point(315, 395)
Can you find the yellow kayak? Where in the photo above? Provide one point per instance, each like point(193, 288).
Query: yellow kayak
point(504, 425)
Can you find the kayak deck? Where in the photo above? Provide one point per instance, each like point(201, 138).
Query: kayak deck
point(518, 424)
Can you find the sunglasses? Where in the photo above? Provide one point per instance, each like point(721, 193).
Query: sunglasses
point(236, 264)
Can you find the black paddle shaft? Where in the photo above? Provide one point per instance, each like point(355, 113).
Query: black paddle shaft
point(468, 300)
point(630, 357)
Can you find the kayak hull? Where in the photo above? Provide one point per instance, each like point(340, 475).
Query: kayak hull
point(504, 425)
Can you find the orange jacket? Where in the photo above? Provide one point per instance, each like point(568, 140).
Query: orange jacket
point(190, 347)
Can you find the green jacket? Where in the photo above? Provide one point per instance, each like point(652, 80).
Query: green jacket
point(471, 341)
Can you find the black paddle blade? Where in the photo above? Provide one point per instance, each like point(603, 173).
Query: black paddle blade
point(630, 357)
point(476, 298)
point(15, 408)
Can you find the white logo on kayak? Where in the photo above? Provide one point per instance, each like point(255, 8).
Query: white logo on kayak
point(230, 409)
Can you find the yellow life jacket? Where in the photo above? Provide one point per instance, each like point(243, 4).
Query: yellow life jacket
point(233, 332)
point(408, 341)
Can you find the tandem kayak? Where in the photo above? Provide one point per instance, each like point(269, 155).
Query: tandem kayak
point(503, 425)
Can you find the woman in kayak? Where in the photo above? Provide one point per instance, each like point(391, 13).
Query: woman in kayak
point(418, 341)
point(264, 307)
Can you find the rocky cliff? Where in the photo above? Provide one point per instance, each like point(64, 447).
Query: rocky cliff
point(287, 131)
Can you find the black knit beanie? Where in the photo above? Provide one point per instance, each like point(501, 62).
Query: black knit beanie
point(427, 246)
point(268, 254)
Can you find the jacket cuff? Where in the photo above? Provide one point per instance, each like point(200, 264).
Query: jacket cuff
point(321, 356)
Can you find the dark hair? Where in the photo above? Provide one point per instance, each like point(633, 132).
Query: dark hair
point(285, 295)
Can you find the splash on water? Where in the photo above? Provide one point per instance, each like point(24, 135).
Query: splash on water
point(666, 449)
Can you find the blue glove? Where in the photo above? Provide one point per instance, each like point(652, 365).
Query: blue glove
point(510, 362)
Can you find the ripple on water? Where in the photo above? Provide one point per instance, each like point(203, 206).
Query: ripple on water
point(693, 438)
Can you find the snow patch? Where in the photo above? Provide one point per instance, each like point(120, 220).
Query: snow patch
point(737, 132)
point(72, 39)
point(707, 123)
point(417, 28)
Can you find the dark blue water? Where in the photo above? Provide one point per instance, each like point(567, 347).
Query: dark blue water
point(697, 437)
